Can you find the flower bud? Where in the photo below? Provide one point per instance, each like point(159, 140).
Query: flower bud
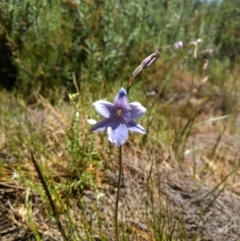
point(137, 70)
point(149, 60)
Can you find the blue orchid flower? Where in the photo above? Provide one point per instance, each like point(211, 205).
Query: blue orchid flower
point(119, 118)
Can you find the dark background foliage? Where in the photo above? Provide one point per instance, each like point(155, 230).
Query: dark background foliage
point(44, 44)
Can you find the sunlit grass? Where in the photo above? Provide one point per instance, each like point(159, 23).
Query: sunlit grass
point(73, 160)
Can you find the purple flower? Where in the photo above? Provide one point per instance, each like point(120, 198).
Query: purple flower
point(179, 45)
point(119, 117)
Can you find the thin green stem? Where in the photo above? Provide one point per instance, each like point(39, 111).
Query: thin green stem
point(118, 193)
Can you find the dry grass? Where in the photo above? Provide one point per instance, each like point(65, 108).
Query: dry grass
point(166, 195)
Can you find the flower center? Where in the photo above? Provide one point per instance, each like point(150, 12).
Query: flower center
point(119, 113)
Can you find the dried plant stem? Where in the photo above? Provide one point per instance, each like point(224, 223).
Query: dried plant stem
point(118, 193)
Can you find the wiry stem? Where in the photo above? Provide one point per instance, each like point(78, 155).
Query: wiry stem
point(118, 193)
point(144, 64)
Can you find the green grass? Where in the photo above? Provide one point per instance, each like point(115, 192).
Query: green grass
point(46, 43)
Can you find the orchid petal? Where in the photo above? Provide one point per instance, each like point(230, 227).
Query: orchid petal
point(117, 133)
point(121, 100)
point(133, 126)
point(102, 125)
point(135, 110)
point(103, 107)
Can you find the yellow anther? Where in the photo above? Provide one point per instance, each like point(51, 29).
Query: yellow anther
point(119, 113)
